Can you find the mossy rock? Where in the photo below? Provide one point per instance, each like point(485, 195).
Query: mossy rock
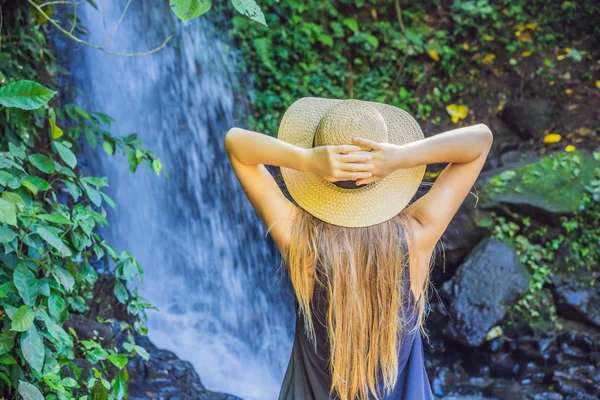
point(555, 184)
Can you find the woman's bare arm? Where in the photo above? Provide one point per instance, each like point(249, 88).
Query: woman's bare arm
point(465, 149)
point(250, 151)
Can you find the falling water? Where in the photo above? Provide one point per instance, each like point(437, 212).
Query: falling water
point(223, 305)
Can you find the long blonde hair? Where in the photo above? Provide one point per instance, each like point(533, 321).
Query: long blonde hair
point(360, 271)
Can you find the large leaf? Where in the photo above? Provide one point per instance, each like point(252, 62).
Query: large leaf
point(23, 319)
point(24, 94)
point(120, 292)
point(26, 283)
point(43, 163)
point(8, 212)
point(6, 234)
point(250, 9)
point(33, 350)
point(189, 9)
point(7, 340)
point(54, 241)
point(66, 154)
point(55, 330)
point(8, 179)
point(56, 305)
point(64, 278)
point(119, 360)
point(56, 218)
point(29, 392)
point(35, 184)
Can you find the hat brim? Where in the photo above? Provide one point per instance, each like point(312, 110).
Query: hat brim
point(365, 206)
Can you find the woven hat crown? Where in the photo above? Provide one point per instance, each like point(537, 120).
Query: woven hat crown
point(349, 119)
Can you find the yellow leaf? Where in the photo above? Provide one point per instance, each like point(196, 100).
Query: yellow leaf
point(552, 138)
point(532, 26)
point(465, 45)
point(488, 59)
point(518, 33)
point(570, 148)
point(551, 83)
point(55, 131)
point(561, 57)
point(567, 50)
point(457, 112)
point(526, 53)
point(569, 91)
point(598, 84)
point(434, 54)
point(488, 37)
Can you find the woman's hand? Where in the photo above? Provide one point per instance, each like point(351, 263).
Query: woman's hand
point(338, 163)
point(387, 158)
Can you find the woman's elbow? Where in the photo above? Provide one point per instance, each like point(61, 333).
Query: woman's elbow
point(487, 136)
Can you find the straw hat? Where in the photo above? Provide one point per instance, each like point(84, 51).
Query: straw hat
point(311, 122)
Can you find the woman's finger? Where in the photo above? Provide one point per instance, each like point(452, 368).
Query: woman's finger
point(367, 142)
point(347, 175)
point(345, 148)
point(363, 156)
point(355, 167)
point(367, 180)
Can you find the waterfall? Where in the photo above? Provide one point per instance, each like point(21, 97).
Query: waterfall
point(222, 303)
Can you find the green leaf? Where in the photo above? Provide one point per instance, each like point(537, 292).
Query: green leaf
point(35, 184)
point(351, 23)
point(120, 292)
point(23, 319)
point(29, 392)
point(55, 130)
point(43, 163)
point(33, 350)
point(64, 278)
point(6, 234)
point(93, 194)
point(53, 240)
point(66, 154)
point(26, 283)
point(55, 330)
point(8, 212)
point(109, 147)
point(18, 152)
point(56, 306)
point(156, 166)
point(24, 94)
point(189, 9)
point(7, 359)
point(7, 340)
point(13, 198)
point(250, 9)
point(55, 218)
point(142, 352)
point(119, 360)
point(8, 179)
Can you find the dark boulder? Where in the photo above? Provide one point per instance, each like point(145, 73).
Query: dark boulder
point(529, 118)
point(490, 279)
point(575, 296)
point(166, 377)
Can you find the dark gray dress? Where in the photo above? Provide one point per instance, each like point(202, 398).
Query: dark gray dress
point(307, 376)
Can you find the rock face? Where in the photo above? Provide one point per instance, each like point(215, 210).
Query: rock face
point(545, 187)
point(490, 279)
point(166, 377)
point(528, 118)
point(576, 296)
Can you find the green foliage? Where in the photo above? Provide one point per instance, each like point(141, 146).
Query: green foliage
point(190, 9)
point(50, 254)
point(419, 56)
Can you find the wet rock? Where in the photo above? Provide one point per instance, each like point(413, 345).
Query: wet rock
point(490, 279)
point(544, 188)
point(166, 377)
point(529, 118)
point(575, 297)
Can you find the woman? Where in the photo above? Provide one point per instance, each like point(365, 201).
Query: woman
point(357, 253)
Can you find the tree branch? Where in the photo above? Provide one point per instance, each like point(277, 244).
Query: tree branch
point(92, 45)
